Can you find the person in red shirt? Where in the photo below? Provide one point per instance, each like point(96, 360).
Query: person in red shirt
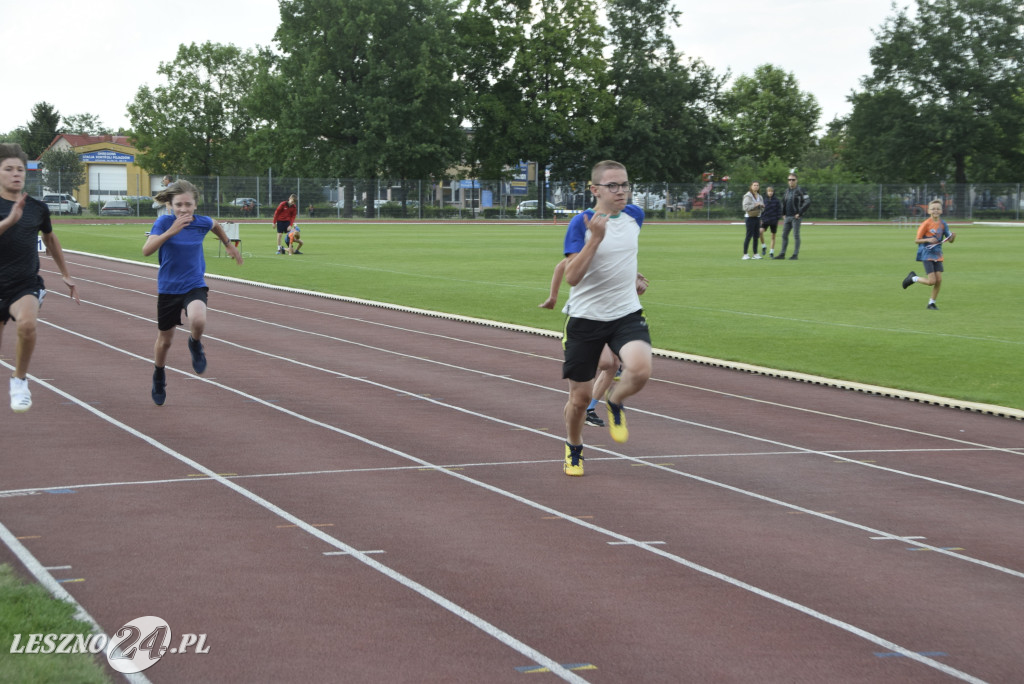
point(284, 218)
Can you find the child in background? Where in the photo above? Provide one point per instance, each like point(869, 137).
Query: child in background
point(930, 236)
point(293, 241)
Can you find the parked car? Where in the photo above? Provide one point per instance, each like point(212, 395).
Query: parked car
point(530, 207)
point(117, 207)
point(245, 202)
point(649, 201)
point(651, 204)
point(61, 203)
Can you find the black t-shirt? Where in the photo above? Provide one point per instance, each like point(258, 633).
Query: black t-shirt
point(19, 251)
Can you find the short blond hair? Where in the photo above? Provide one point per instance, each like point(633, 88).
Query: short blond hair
point(597, 173)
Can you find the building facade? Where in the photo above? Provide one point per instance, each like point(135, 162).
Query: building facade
point(111, 170)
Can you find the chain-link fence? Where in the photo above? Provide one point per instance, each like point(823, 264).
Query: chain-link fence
point(255, 198)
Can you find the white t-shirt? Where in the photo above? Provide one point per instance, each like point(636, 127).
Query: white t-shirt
point(608, 289)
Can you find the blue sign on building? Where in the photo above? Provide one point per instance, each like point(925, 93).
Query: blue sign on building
point(108, 156)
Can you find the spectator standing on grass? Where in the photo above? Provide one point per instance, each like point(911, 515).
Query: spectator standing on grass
point(180, 285)
point(795, 204)
point(753, 205)
point(22, 219)
point(601, 248)
point(930, 236)
point(770, 218)
point(161, 208)
point(284, 218)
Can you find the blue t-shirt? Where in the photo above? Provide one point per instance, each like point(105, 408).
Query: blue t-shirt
point(182, 263)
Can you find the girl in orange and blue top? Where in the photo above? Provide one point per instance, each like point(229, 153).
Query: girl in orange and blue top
point(930, 236)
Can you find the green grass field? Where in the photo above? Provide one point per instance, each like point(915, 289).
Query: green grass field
point(29, 609)
point(838, 312)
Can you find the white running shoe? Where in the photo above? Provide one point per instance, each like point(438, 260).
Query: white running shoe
point(756, 256)
point(746, 256)
point(21, 397)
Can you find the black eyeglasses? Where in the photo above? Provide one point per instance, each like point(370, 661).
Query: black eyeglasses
point(614, 187)
point(792, 179)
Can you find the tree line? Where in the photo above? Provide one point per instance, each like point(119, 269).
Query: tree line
point(402, 90)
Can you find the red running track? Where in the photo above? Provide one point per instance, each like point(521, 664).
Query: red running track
point(358, 494)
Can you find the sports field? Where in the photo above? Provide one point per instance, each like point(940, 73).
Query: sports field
point(838, 312)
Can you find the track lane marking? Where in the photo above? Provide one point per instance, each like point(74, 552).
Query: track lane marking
point(557, 669)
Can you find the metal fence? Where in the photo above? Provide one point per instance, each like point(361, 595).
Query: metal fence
point(256, 197)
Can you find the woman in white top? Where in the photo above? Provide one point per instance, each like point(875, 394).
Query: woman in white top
point(753, 205)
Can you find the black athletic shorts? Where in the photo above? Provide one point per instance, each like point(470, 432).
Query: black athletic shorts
point(283, 226)
point(583, 341)
point(170, 306)
point(933, 266)
point(32, 286)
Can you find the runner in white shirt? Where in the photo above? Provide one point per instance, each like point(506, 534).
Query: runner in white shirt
point(604, 308)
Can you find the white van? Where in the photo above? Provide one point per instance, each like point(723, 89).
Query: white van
point(62, 204)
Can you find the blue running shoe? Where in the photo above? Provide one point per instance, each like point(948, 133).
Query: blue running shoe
point(195, 347)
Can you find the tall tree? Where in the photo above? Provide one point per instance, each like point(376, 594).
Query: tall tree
point(364, 88)
point(84, 124)
point(63, 171)
point(489, 32)
point(41, 130)
point(663, 126)
point(767, 115)
point(195, 123)
point(824, 161)
point(18, 135)
point(561, 76)
point(942, 91)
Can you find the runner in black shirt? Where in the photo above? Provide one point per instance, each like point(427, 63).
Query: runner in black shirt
point(22, 219)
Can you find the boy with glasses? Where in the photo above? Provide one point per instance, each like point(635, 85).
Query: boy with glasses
point(601, 247)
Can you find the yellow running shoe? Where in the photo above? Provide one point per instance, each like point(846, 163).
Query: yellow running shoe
point(573, 460)
point(616, 419)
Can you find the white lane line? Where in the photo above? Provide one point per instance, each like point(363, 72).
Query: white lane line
point(792, 447)
point(806, 610)
point(1001, 411)
point(482, 625)
point(948, 552)
point(346, 553)
point(43, 576)
point(478, 622)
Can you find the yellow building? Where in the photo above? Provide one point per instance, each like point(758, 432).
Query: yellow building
point(110, 167)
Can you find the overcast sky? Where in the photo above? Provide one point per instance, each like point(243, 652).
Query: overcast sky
point(92, 58)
